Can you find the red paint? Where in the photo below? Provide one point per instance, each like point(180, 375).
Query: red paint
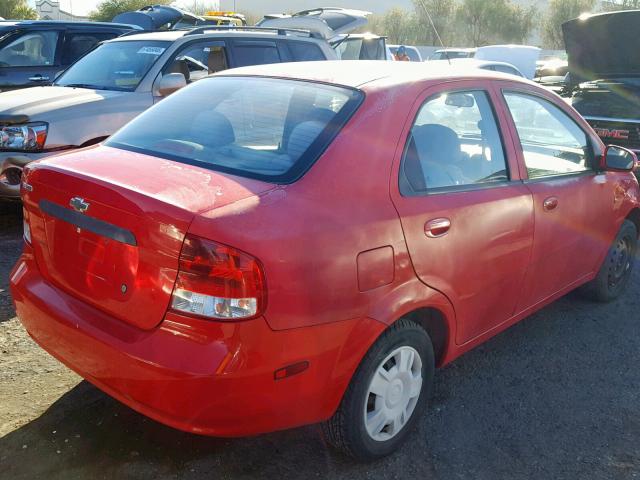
point(343, 255)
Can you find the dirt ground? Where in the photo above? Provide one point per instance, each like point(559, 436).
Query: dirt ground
point(556, 396)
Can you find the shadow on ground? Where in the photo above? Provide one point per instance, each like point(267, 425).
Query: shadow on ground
point(556, 396)
point(11, 245)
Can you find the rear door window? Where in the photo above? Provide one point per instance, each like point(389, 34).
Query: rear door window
point(78, 44)
point(31, 49)
point(454, 142)
point(270, 129)
point(247, 53)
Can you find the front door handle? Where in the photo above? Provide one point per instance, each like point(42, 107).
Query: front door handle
point(550, 204)
point(437, 227)
point(38, 78)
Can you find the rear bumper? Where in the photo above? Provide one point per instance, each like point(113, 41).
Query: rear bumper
point(204, 377)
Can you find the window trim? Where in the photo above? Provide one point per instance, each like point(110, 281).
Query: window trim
point(402, 177)
point(588, 172)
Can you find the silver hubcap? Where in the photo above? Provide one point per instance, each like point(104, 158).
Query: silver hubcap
point(393, 393)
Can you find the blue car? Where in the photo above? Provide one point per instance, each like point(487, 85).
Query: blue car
point(32, 52)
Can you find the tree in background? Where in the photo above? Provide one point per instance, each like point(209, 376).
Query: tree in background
point(481, 20)
point(17, 10)
point(559, 12)
point(108, 9)
point(398, 25)
point(200, 7)
point(613, 5)
point(442, 12)
point(518, 23)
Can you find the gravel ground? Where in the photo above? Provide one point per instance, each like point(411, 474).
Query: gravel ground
point(556, 396)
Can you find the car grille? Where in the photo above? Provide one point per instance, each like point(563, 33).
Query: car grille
point(609, 132)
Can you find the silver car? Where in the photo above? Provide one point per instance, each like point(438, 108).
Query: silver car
point(123, 77)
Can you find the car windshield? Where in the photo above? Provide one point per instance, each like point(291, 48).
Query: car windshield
point(264, 128)
point(114, 65)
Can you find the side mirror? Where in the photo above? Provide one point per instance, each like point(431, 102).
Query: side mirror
point(171, 82)
point(618, 159)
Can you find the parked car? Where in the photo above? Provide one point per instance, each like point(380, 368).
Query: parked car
point(523, 57)
point(412, 52)
point(451, 53)
point(335, 25)
point(32, 52)
point(123, 77)
point(604, 74)
point(282, 245)
point(502, 67)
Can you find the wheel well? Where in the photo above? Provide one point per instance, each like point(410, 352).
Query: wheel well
point(634, 216)
point(435, 323)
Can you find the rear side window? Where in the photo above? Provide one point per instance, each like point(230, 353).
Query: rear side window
point(269, 129)
point(454, 142)
point(552, 143)
point(305, 52)
point(255, 53)
point(77, 44)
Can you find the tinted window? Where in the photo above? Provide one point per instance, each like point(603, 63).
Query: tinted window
point(114, 65)
point(454, 142)
point(78, 44)
point(255, 53)
point(358, 48)
point(33, 49)
point(257, 127)
point(198, 60)
point(553, 144)
point(305, 51)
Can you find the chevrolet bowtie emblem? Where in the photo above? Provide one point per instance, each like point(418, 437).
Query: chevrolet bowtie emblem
point(78, 204)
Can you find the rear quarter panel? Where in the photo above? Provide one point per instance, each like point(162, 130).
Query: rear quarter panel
point(308, 235)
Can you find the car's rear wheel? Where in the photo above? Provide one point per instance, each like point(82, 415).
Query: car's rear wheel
point(616, 270)
point(386, 395)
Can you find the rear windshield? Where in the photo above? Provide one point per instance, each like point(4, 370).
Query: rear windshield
point(264, 128)
point(117, 66)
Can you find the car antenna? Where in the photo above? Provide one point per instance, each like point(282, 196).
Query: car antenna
point(433, 25)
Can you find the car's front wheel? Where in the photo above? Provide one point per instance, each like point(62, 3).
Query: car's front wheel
point(386, 394)
point(615, 272)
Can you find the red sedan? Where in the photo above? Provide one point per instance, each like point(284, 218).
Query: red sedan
point(289, 244)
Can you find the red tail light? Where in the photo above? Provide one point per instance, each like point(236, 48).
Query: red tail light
point(218, 281)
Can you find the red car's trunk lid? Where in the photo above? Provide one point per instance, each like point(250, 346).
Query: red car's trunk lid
point(108, 225)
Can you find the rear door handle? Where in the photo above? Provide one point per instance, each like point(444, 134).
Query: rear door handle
point(550, 204)
point(38, 78)
point(437, 227)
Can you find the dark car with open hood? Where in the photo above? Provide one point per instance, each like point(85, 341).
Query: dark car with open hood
point(604, 74)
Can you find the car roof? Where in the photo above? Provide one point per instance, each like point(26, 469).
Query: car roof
point(173, 35)
point(43, 23)
point(368, 73)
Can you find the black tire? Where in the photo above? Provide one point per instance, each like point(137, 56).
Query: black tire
point(346, 430)
point(615, 272)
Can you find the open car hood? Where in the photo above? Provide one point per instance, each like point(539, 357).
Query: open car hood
point(603, 46)
point(522, 57)
point(325, 22)
point(155, 17)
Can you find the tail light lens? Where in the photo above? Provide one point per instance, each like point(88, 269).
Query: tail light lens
point(218, 281)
